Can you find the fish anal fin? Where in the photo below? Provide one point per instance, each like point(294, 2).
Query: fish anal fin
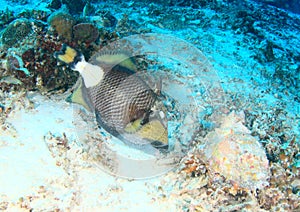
point(80, 96)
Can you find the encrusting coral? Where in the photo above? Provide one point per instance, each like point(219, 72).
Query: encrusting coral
point(16, 31)
point(62, 22)
point(85, 32)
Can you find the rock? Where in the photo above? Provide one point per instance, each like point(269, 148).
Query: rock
point(232, 152)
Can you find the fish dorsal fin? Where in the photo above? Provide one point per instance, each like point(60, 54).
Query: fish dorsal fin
point(109, 59)
point(80, 96)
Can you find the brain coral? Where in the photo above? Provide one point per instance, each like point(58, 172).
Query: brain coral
point(232, 152)
point(16, 31)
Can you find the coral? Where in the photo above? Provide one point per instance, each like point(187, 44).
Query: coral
point(46, 74)
point(194, 165)
point(15, 63)
point(6, 16)
point(62, 22)
point(88, 10)
point(109, 21)
point(127, 26)
point(272, 199)
point(35, 15)
point(55, 4)
point(275, 132)
point(22, 2)
point(74, 6)
point(232, 152)
point(16, 31)
point(33, 64)
point(85, 32)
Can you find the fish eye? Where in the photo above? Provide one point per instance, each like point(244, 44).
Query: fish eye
point(151, 113)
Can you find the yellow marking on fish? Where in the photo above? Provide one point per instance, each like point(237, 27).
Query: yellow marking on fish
point(132, 127)
point(114, 58)
point(152, 130)
point(68, 55)
point(155, 131)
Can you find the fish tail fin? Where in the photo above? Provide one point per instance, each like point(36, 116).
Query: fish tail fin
point(69, 56)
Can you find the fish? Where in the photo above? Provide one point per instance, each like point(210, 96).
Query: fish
point(124, 104)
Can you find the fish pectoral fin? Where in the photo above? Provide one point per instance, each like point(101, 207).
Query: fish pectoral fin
point(134, 126)
point(80, 96)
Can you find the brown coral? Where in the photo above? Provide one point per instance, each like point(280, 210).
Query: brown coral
point(85, 32)
point(62, 22)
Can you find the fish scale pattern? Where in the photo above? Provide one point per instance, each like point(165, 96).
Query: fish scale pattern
point(120, 98)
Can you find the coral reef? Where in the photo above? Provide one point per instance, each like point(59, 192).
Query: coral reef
point(47, 75)
point(16, 31)
point(76, 6)
point(62, 22)
point(109, 21)
point(85, 33)
point(30, 60)
point(16, 64)
point(6, 16)
point(54, 4)
point(33, 64)
point(37, 16)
